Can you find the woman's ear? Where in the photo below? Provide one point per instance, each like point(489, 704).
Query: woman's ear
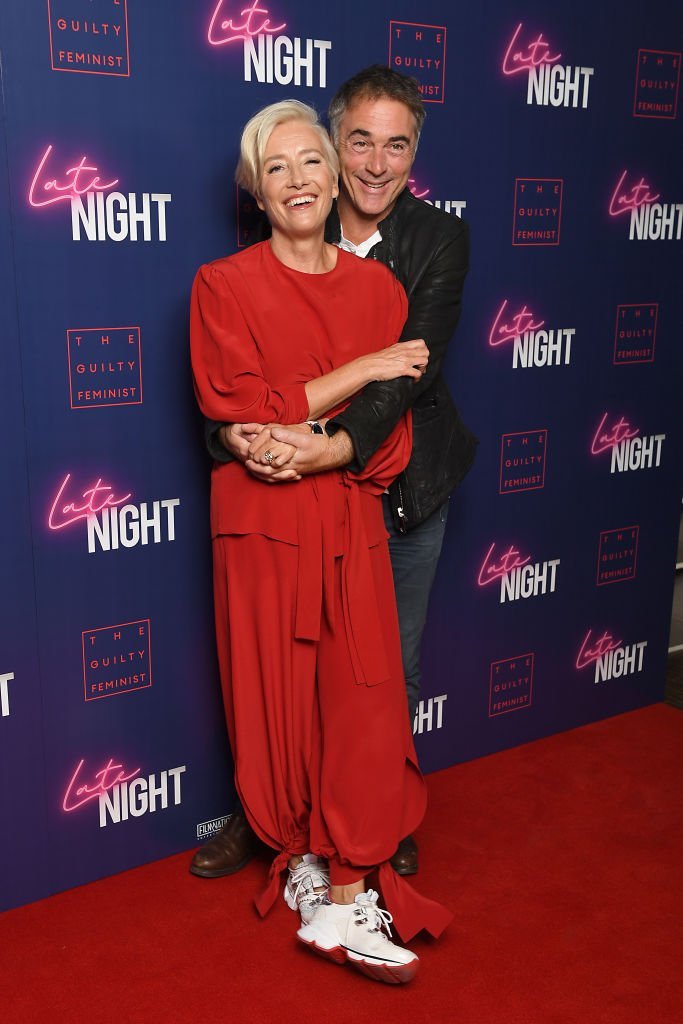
point(259, 202)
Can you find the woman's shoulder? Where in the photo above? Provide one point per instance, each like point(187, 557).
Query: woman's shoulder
point(231, 268)
point(235, 263)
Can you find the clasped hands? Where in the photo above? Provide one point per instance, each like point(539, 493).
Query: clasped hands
point(276, 454)
point(295, 451)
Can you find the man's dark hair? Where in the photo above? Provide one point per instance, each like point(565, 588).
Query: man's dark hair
point(376, 83)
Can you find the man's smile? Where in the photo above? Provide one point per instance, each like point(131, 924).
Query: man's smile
point(374, 184)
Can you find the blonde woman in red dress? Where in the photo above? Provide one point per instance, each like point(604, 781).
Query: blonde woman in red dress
point(285, 332)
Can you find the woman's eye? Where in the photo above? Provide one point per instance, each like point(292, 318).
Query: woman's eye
point(313, 160)
point(274, 167)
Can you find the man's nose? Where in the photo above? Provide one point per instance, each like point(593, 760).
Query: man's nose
point(376, 162)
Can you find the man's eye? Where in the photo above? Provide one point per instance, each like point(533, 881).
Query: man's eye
point(398, 147)
point(359, 144)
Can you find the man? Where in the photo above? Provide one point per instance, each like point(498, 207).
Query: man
point(375, 122)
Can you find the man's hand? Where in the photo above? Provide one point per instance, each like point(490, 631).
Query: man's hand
point(296, 450)
point(315, 453)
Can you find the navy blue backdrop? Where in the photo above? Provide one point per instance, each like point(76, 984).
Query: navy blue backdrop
point(555, 132)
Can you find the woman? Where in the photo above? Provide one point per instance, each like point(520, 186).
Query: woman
point(286, 332)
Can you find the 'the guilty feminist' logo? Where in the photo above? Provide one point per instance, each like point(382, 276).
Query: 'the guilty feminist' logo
point(420, 51)
point(116, 659)
point(510, 684)
point(104, 367)
point(89, 36)
point(635, 333)
point(538, 211)
point(658, 76)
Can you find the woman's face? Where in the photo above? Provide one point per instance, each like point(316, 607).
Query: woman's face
point(297, 184)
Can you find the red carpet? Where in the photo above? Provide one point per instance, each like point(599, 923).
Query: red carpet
point(562, 860)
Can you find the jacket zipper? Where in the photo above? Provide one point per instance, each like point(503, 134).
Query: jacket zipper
point(399, 510)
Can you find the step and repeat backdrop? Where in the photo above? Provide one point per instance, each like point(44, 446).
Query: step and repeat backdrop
point(555, 131)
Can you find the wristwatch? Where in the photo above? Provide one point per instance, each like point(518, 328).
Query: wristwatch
point(315, 427)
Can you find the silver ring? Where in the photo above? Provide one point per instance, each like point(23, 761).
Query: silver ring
point(268, 457)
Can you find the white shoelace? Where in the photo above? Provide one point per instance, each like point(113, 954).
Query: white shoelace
point(368, 912)
point(308, 877)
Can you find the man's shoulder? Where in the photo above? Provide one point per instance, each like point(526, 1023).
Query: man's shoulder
point(415, 214)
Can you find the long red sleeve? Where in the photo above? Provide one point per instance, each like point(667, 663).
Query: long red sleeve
point(228, 376)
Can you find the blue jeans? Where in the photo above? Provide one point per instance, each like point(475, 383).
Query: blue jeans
point(414, 557)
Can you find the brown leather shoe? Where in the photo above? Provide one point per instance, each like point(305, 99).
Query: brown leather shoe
point(229, 850)
point(404, 861)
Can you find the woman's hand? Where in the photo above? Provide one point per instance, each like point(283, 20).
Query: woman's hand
point(404, 359)
point(279, 452)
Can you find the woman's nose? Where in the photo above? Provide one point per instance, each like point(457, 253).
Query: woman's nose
point(298, 177)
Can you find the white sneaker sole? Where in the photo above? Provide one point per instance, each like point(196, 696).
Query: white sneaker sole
point(378, 970)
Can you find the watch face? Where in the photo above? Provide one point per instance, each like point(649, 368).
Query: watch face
point(315, 427)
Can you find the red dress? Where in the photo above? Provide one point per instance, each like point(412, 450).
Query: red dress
point(306, 624)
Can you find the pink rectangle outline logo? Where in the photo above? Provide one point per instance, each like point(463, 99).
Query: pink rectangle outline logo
point(117, 693)
point(504, 661)
point(624, 579)
point(104, 405)
point(82, 71)
point(634, 362)
point(419, 24)
point(559, 219)
point(663, 53)
point(520, 490)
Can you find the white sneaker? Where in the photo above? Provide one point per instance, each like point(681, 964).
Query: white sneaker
point(307, 885)
point(359, 933)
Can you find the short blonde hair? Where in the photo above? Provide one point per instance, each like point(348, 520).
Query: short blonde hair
point(258, 130)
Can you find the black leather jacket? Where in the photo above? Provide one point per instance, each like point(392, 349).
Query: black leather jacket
point(428, 251)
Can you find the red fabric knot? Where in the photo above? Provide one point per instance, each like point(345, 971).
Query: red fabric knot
point(411, 911)
point(265, 901)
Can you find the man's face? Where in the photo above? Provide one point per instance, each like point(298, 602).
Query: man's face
point(376, 146)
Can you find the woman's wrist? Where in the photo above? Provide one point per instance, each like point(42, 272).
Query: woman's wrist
point(367, 370)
